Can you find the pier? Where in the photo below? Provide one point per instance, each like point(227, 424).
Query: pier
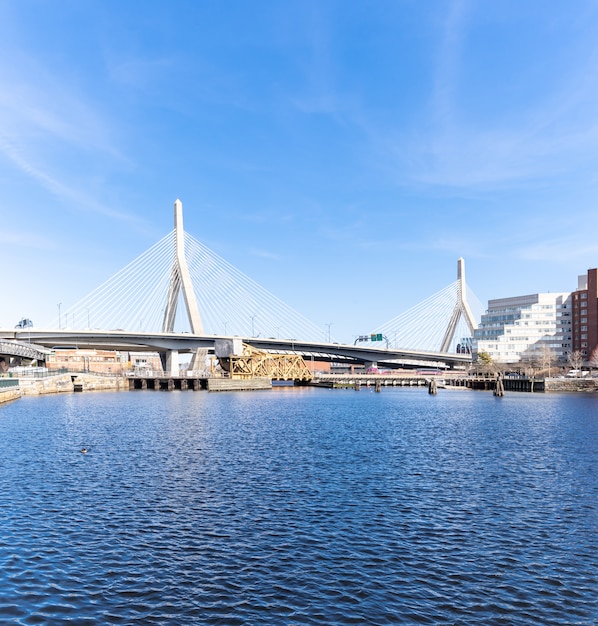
point(448, 380)
point(185, 383)
point(342, 381)
point(482, 383)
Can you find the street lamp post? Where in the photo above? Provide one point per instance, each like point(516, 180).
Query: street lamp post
point(328, 325)
point(59, 322)
point(252, 327)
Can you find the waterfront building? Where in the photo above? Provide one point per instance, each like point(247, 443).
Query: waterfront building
point(102, 361)
point(585, 314)
point(83, 360)
point(523, 329)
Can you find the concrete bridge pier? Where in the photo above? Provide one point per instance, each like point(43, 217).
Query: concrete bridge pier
point(170, 362)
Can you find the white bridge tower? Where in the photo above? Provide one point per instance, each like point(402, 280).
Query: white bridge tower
point(461, 309)
point(180, 278)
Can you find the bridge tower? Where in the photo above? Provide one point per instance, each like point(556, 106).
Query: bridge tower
point(461, 309)
point(181, 279)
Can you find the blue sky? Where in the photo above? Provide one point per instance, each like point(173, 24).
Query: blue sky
point(341, 154)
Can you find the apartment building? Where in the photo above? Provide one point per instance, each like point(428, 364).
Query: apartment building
point(523, 328)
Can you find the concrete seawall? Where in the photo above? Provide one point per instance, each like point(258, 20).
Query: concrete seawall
point(228, 384)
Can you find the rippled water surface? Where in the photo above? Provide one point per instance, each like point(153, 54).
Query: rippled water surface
point(299, 506)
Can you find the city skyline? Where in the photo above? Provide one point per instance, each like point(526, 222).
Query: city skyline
point(342, 156)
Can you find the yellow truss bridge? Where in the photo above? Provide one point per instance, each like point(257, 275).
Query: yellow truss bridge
point(254, 363)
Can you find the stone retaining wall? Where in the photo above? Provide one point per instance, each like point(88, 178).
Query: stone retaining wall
point(68, 383)
point(10, 393)
point(572, 384)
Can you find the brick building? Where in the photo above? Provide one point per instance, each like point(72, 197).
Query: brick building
point(99, 361)
point(584, 314)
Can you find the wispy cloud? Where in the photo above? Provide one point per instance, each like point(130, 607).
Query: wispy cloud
point(449, 61)
point(43, 117)
point(570, 250)
point(554, 132)
point(65, 192)
point(264, 254)
point(29, 240)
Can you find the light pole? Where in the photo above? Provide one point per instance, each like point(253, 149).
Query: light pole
point(329, 325)
point(224, 328)
point(59, 323)
point(88, 324)
point(252, 327)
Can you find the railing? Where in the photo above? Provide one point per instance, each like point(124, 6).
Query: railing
point(8, 382)
point(81, 370)
point(34, 372)
point(29, 351)
point(39, 372)
point(161, 374)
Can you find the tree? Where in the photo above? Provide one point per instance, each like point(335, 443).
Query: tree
point(593, 360)
point(484, 361)
point(531, 359)
point(546, 357)
point(484, 358)
point(575, 359)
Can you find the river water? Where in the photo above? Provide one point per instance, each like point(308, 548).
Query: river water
point(299, 506)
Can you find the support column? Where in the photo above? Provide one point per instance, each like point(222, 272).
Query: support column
point(171, 366)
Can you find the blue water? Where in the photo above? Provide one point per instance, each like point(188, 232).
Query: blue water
point(299, 506)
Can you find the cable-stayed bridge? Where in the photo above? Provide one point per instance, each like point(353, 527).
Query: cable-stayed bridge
point(180, 274)
point(443, 322)
point(139, 308)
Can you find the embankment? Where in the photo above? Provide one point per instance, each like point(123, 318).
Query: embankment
point(68, 383)
point(587, 385)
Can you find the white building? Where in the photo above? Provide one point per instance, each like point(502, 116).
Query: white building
point(522, 328)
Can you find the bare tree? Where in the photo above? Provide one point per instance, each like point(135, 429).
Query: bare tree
point(575, 359)
point(593, 360)
point(547, 358)
point(530, 360)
